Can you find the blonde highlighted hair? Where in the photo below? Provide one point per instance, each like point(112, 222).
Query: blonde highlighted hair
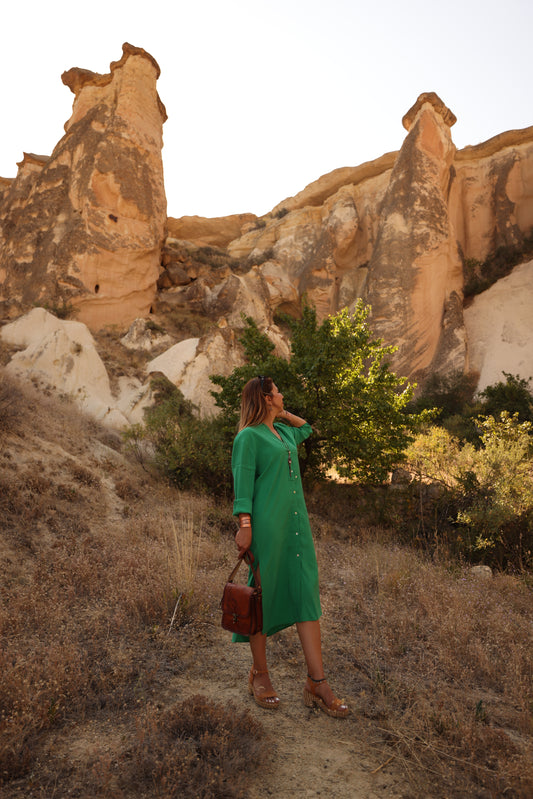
point(254, 408)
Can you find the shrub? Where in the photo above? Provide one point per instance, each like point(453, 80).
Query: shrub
point(487, 491)
point(194, 455)
point(499, 492)
point(60, 308)
point(454, 406)
point(447, 394)
point(479, 276)
point(191, 452)
point(195, 749)
point(260, 257)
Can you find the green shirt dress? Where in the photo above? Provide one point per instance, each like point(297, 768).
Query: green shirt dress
point(267, 484)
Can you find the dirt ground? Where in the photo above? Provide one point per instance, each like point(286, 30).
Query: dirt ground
point(310, 754)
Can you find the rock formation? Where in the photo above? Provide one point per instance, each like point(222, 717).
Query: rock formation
point(84, 227)
point(499, 327)
point(61, 355)
point(215, 231)
point(491, 197)
point(415, 275)
point(395, 232)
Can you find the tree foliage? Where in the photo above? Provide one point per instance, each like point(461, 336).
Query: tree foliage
point(488, 489)
point(513, 396)
point(457, 408)
point(338, 378)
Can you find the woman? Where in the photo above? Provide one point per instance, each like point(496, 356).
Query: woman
point(274, 526)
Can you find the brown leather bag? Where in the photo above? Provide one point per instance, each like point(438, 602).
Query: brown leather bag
point(242, 609)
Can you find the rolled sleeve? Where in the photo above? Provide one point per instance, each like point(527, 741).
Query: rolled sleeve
point(243, 468)
point(301, 433)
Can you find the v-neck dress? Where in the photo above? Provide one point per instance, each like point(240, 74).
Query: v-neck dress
point(269, 488)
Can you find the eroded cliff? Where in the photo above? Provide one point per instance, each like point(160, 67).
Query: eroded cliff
point(84, 232)
point(83, 228)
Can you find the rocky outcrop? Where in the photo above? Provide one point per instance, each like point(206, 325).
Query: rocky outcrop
point(214, 231)
point(415, 272)
point(142, 335)
point(499, 327)
point(61, 355)
point(395, 232)
point(84, 227)
point(491, 197)
point(189, 364)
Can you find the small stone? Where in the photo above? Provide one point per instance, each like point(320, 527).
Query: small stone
point(481, 572)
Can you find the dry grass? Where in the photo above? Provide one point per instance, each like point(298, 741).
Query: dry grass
point(194, 750)
point(183, 547)
point(443, 662)
point(10, 398)
point(90, 573)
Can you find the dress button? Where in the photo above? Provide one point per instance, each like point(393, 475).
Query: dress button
point(296, 513)
point(298, 555)
point(296, 533)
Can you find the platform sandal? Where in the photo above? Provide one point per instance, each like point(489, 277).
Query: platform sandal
point(263, 697)
point(337, 707)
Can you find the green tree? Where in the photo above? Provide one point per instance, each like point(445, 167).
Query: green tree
point(513, 396)
point(338, 378)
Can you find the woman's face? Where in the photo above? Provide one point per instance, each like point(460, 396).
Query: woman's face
point(277, 399)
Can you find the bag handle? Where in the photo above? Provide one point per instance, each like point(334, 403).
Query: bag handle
point(248, 557)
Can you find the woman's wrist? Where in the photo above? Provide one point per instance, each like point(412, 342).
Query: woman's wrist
point(292, 418)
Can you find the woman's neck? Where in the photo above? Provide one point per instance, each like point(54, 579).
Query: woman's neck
point(269, 421)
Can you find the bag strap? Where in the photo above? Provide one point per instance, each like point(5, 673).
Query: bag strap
point(247, 556)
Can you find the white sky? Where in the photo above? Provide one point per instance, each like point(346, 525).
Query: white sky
point(265, 96)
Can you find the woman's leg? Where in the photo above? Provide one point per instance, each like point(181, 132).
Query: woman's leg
point(310, 639)
point(259, 676)
point(309, 633)
point(258, 647)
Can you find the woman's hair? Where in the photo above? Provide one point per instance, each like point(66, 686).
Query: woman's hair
point(254, 408)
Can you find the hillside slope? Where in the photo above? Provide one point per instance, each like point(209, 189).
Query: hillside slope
point(101, 691)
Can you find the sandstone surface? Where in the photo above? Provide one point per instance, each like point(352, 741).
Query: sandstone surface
point(491, 197)
point(190, 363)
point(61, 355)
point(499, 326)
point(415, 271)
point(84, 227)
point(217, 231)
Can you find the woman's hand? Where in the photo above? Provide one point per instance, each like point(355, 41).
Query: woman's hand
point(243, 538)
